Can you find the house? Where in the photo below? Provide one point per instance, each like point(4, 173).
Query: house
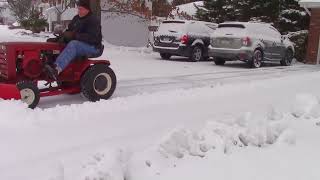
point(313, 9)
point(57, 11)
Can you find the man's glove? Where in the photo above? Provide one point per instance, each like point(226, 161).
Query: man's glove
point(69, 35)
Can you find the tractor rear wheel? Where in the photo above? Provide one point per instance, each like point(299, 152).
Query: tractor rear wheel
point(98, 82)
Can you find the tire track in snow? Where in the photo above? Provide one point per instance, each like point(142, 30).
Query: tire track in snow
point(150, 85)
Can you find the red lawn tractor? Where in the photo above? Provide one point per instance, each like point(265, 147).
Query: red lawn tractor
point(22, 68)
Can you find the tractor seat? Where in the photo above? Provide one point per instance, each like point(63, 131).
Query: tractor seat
point(93, 56)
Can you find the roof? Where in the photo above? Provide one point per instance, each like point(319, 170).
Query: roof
point(310, 3)
point(188, 21)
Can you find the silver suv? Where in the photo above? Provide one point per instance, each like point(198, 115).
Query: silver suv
point(250, 42)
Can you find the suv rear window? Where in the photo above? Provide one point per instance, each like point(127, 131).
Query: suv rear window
point(178, 22)
point(173, 26)
point(231, 26)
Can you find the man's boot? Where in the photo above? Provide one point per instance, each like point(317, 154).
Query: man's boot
point(52, 71)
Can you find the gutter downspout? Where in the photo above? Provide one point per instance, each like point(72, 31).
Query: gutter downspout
point(318, 56)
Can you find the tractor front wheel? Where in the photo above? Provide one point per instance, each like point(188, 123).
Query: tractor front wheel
point(29, 93)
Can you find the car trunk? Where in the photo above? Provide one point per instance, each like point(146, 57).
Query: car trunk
point(229, 37)
point(170, 33)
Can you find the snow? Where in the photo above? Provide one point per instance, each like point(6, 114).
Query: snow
point(172, 28)
point(169, 120)
point(290, 11)
point(188, 8)
point(310, 3)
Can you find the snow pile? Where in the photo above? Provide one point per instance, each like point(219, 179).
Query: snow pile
point(218, 137)
point(19, 109)
point(181, 143)
point(106, 165)
point(226, 135)
point(306, 106)
point(123, 49)
point(23, 35)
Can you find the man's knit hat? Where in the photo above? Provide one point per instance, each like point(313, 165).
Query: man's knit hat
point(84, 3)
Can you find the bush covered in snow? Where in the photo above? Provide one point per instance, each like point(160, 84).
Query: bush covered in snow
point(300, 40)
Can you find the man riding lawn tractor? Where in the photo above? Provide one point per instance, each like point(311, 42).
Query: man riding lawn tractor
point(63, 60)
point(83, 38)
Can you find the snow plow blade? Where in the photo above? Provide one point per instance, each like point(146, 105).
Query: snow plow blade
point(9, 91)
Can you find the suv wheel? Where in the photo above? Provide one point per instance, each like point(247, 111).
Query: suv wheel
point(219, 61)
point(257, 58)
point(197, 54)
point(287, 60)
point(165, 56)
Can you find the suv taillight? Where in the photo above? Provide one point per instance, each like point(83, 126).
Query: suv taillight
point(246, 41)
point(184, 39)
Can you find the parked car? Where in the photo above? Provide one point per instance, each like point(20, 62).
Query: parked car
point(183, 38)
point(253, 43)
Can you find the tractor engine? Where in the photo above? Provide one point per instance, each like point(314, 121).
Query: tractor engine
point(30, 64)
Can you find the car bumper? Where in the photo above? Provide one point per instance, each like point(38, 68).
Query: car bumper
point(179, 51)
point(242, 54)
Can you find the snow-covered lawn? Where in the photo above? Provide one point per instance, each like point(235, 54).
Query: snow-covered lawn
point(170, 120)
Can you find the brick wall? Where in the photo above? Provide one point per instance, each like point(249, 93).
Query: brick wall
point(314, 35)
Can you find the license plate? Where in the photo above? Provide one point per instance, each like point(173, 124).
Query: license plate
point(166, 39)
point(225, 42)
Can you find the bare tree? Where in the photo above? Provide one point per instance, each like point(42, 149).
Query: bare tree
point(21, 9)
point(61, 8)
point(132, 7)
